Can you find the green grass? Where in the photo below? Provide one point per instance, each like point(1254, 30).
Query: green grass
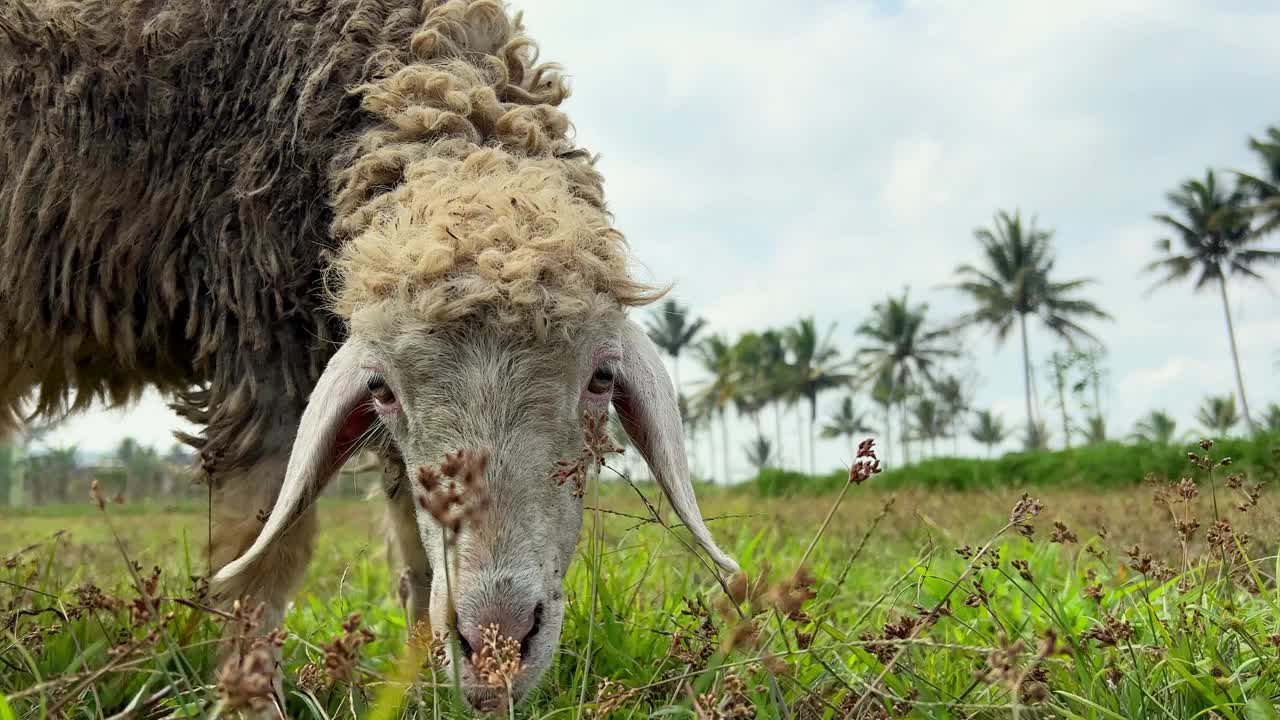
point(1204, 648)
point(1105, 465)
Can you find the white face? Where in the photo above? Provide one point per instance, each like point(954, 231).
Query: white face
point(520, 402)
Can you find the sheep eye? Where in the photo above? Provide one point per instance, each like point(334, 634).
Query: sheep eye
point(380, 391)
point(601, 381)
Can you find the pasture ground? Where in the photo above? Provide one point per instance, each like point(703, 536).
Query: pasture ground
point(923, 604)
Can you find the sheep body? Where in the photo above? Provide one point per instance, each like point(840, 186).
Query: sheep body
point(199, 193)
point(313, 221)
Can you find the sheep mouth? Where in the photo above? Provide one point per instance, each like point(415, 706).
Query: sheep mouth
point(486, 698)
point(484, 701)
point(527, 643)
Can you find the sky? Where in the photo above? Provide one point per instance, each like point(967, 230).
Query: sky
point(778, 160)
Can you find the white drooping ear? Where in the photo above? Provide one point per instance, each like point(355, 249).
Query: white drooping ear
point(337, 414)
point(646, 403)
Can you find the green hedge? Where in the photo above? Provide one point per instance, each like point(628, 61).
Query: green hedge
point(1096, 466)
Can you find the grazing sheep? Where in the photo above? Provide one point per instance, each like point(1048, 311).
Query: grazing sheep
point(336, 219)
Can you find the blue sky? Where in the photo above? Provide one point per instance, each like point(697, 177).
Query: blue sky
point(784, 159)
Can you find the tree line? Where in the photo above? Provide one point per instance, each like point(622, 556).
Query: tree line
point(905, 362)
point(33, 472)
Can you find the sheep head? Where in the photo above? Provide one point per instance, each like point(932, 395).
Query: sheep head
point(487, 312)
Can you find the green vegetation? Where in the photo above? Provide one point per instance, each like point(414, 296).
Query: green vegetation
point(901, 353)
point(673, 331)
point(988, 429)
point(846, 423)
point(1105, 466)
point(1215, 238)
point(1218, 414)
point(1157, 428)
point(1017, 281)
point(931, 604)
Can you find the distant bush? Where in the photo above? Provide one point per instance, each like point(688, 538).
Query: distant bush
point(1095, 466)
point(775, 482)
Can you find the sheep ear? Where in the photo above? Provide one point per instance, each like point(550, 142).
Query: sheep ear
point(337, 415)
point(646, 403)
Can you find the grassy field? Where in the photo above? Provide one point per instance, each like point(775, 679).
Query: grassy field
point(1151, 601)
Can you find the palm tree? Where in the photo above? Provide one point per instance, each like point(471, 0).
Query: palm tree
point(1264, 190)
point(846, 423)
point(1271, 418)
point(1035, 436)
point(815, 369)
point(759, 453)
point(1095, 429)
point(24, 487)
point(927, 417)
point(752, 379)
point(777, 377)
point(1016, 282)
point(883, 394)
point(142, 468)
point(900, 348)
point(1214, 240)
point(1060, 364)
point(1218, 414)
point(953, 397)
point(56, 470)
point(988, 429)
point(672, 330)
point(688, 424)
point(1157, 428)
point(1091, 377)
point(717, 395)
point(702, 412)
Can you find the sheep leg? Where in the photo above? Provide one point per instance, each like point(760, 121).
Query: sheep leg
point(404, 545)
point(241, 499)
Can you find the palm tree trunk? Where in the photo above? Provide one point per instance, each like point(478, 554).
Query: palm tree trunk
point(777, 428)
point(724, 438)
point(1097, 394)
point(849, 439)
point(799, 438)
point(888, 430)
point(1235, 356)
point(675, 370)
point(813, 415)
point(1026, 370)
point(1062, 402)
point(905, 433)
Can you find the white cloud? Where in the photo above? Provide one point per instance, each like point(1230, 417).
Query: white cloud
point(149, 421)
point(913, 186)
point(1147, 382)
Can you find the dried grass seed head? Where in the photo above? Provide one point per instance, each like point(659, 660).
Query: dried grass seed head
point(463, 497)
point(247, 682)
point(342, 654)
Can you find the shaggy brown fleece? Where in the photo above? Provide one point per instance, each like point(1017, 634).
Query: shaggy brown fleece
point(176, 175)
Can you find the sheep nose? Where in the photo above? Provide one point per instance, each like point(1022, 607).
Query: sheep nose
point(476, 635)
